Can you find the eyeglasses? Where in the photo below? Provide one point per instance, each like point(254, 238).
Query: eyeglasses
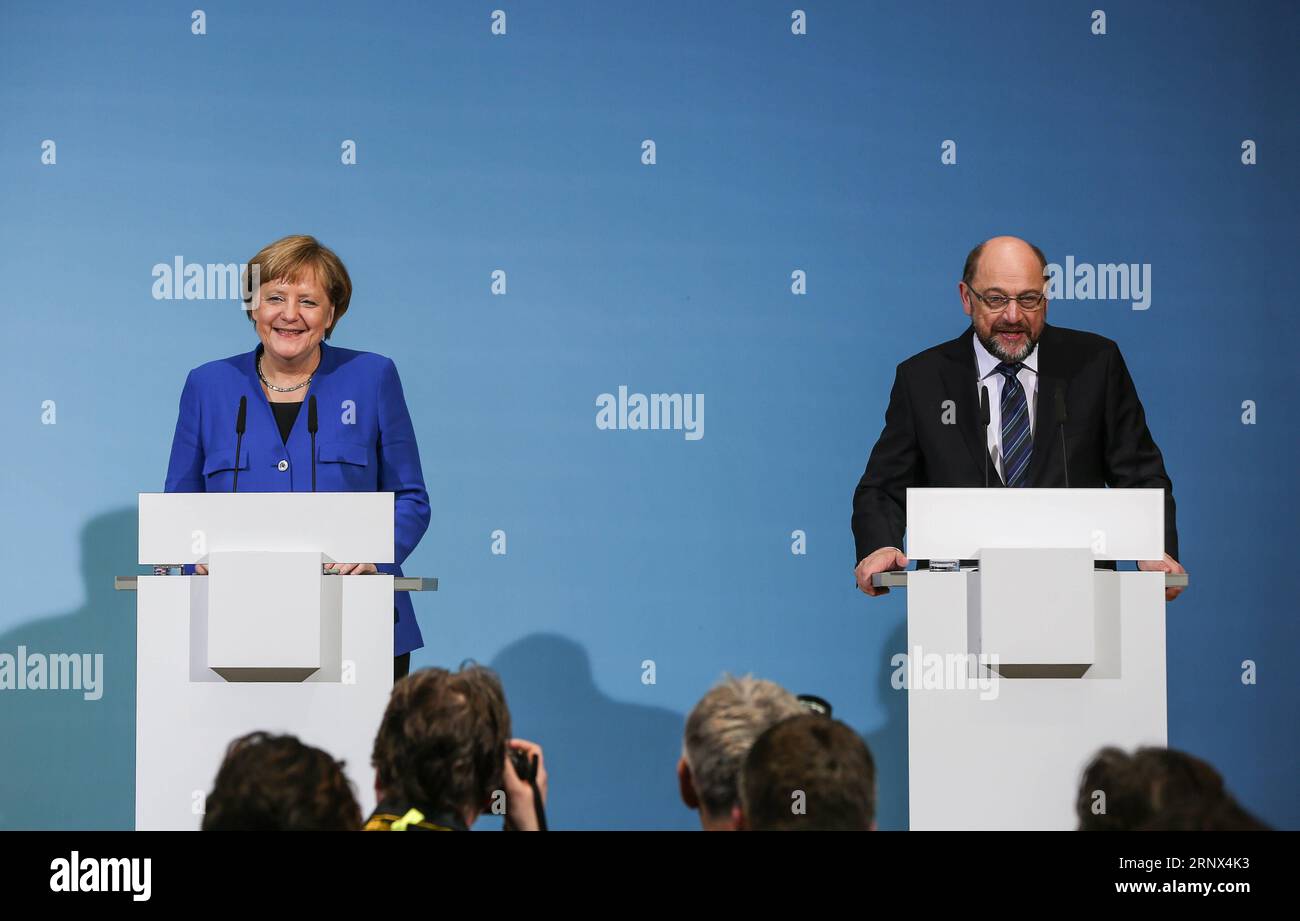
point(1029, 301)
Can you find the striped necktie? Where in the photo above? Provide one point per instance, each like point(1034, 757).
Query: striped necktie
point(1017, 445)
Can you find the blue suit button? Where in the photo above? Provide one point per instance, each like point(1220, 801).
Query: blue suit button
point(282, 466)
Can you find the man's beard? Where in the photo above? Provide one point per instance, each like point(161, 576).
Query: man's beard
point(994, 345)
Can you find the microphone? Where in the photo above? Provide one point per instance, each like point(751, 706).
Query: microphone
point(312, 425)
point(984, 417)
point(1060, 424)
point(239, 439)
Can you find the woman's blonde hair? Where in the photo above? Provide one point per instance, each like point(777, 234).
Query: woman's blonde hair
point(286, 260)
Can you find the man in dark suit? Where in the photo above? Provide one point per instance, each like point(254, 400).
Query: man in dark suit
point(933, 431)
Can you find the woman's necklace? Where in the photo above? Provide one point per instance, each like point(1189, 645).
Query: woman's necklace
point(270, 386)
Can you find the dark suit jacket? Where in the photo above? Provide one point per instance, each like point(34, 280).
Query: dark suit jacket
point(1106, 434)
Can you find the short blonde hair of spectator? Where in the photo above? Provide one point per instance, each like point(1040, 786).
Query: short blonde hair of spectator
point(288, 259)
point(721, 730)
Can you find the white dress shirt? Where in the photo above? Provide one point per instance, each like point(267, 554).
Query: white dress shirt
point(986, 362)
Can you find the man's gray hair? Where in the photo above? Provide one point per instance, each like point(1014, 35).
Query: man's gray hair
point(722, 728)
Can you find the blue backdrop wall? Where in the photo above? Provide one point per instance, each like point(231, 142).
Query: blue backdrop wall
point(870, 153)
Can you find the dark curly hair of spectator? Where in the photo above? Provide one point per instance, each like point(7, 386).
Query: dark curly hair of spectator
point(1156, 788)
point(442, 742)
point(276, 783)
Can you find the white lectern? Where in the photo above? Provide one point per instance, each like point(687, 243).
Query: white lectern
point(266, 641)
point(1018, 671)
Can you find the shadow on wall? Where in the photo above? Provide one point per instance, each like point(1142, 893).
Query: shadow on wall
point(888, 744)
point(612, 765)
point(65, 761)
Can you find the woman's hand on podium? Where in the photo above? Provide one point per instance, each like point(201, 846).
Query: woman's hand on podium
point(351, 569)
point(342, 569)
point(1168, 564)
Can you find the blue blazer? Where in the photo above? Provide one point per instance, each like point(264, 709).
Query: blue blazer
point(365, 442)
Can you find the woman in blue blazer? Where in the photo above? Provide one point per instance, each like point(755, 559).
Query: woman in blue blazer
point(365, 440)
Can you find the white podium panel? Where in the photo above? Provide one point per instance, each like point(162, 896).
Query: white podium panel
point(178, 528)
point(266, 642)
point(956, 524)
point(266, 613)
point(187, 714)
point(1033, 609)
point(1020, 671)
point(1008, 753)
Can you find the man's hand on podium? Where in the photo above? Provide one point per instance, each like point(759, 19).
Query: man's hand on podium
point(1168, 564)
point(350, 569)
point(883, 560)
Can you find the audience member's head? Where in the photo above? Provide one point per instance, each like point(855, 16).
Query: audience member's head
point(808, 773)
point(1225, 815)
point(719, 733)
point(1156, 789)
point(441, 746)
point(276, 783)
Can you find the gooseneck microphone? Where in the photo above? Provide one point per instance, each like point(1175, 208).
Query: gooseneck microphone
point(312, 424)
point(239, 437)
point(984, 418)
point(1060, 424)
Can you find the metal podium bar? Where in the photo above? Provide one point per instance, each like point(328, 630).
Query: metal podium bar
point(400, 583)
point(898, 579)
